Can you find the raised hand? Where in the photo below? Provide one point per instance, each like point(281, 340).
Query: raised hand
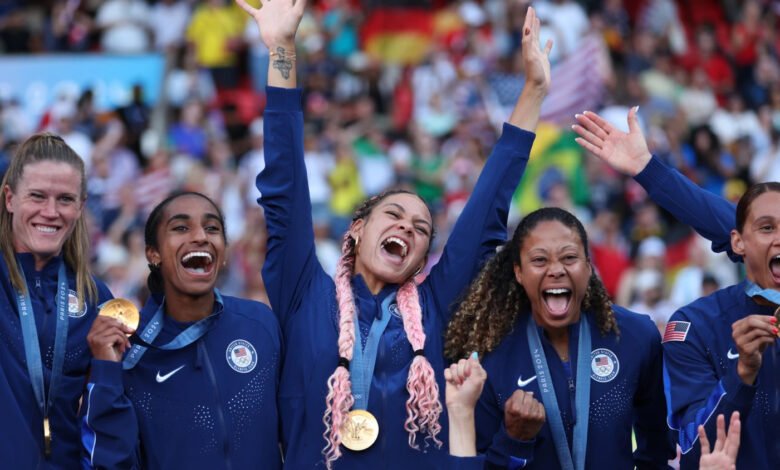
point(752, 335)
point(107, 339)
point(724, 455)
point(536, 60)
point(524, 416)
point(625, 152)
point(278, 20)
point(464, 382)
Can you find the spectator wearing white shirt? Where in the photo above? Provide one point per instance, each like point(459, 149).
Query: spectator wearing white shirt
point(124, 25)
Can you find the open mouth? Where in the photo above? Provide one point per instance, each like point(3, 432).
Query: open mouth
point(774, 266)
point(198, 262)
point(395, 247)
point(557, 300)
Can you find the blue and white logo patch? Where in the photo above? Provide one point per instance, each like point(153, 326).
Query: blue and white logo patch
point(604, 365)
point(241, 356)
point(73, 305)
point(395, 310)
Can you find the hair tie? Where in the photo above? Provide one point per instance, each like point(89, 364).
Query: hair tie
point(419, 352)
point(343, 362)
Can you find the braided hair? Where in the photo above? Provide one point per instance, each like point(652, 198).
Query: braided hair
point(495, 298)
point(423, 406)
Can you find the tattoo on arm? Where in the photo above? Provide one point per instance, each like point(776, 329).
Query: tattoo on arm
point(282, 62)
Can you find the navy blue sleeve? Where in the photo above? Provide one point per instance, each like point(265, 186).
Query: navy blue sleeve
point(482, 226)
point(710, 215)
point(291, 260)
point(654, 441)
point(465, 463)
point(694, 393)
point(499, 448)
point(109, 429)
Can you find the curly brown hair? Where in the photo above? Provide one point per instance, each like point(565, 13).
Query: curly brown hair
point(495, 298)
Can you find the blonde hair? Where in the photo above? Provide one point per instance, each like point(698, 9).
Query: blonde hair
point(41, 148)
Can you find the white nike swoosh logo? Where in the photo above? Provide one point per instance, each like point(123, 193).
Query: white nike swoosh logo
point(162, 378)
point(731, 355)
point(523, 383)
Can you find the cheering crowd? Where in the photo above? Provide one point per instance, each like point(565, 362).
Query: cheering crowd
point(386, 255)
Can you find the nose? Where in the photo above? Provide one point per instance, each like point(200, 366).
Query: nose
point(199, 234)
point(50, 208)
point(556, 270)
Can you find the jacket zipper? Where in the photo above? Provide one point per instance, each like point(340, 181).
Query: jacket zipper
point(220, 413)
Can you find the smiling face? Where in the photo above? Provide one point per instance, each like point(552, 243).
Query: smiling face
point(393, 240)
point(190, 246)
point(759, 240)
point(44, 206)
point(554, 272)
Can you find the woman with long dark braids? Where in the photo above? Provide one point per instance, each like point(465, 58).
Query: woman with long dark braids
point(541, 317)
point(363, 367)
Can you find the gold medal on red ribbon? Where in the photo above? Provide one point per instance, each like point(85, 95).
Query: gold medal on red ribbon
point(123, 310)
point(46, 437)
point(359, 431)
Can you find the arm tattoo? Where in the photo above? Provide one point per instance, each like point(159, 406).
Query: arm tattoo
point(282, 62)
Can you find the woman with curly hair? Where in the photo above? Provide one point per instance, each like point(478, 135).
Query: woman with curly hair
point(543, 320)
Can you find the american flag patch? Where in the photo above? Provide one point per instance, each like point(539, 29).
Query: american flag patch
point(676, 331)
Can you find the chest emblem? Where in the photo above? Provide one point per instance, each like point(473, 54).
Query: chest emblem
point(241, 356)
point(604, 365)
point(73, 305)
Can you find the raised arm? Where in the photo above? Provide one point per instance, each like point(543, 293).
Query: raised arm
point(290, 260)
point(482, 226)
point(710, 215)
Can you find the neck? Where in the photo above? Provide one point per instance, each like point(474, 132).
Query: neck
point(559, 337)
point(187, 308)
point(373, 283)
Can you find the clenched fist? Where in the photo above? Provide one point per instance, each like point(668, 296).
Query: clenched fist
point(523, 415)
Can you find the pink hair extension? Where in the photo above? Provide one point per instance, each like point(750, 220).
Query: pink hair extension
point(423, 406)
point(340, 400)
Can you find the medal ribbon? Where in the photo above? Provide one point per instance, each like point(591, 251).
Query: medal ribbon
point(32, 350)
point(753, 290)
point(361, 368)
point(550, 401)
point(183, 339)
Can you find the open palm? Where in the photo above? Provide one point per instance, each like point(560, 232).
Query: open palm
point(278, 19)
point(625, 152)
point(536, 60)
point(724, 454)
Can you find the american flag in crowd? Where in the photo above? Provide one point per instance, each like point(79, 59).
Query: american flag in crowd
point(578, 83)
point(676, 331)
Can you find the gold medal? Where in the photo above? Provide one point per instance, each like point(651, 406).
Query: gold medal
point(359, 431)
point(46, 437)
point(123, 310)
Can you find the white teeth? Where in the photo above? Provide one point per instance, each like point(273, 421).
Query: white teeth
point(404, 248)
point(193, 254)
point(44, 229)
point(557, 291)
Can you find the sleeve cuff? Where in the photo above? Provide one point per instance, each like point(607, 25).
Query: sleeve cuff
point(737, 392)
point(106, 372)
point(283, 99)
point(466, 463)
point(516, 139)
point(654, 172)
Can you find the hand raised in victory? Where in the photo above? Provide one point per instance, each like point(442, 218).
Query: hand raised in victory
point(625, 152)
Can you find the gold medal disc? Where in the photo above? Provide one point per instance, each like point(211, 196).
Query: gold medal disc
point(46, 437)
point(359, 431)
point(123, 310)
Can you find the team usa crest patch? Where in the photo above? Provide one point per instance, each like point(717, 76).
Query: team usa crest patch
point(604, 365)
point(676, 331)
point(73, 305)
point(241, 356)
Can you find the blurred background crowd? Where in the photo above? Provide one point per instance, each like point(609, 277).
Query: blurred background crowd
point(406, 93)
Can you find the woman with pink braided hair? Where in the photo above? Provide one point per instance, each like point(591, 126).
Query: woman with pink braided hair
point(364, 364)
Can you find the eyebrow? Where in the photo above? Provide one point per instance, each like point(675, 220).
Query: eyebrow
point(186, 217)
point(401, 208)
point(764, 219)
